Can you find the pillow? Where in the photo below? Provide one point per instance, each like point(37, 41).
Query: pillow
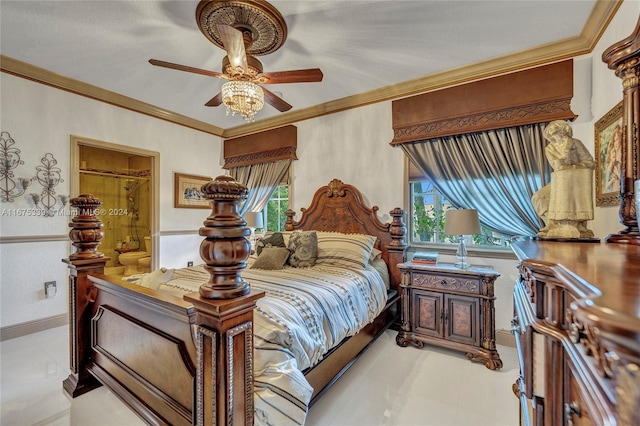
point(350, 250)
point(375, 255)
point(271, 258)
point(154, 279)
point(274, 240)
point(304, 249)
point(381, 266)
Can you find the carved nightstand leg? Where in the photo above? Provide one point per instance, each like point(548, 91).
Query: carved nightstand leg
point(403, 340)
point(491, 359)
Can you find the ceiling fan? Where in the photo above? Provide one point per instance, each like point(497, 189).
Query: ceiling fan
point(235, 26)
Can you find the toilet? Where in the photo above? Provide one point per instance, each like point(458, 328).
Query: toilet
point(132, 260)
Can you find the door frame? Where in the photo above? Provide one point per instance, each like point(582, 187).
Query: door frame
point(154, 156)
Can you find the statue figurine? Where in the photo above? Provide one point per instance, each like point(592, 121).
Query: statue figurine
point(566, 204)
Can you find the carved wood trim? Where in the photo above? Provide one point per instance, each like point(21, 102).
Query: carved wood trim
point(264, 147)
point(535, 95)
point(245, 331)
point(508, 117)
point(624, 58)
point(210, 336)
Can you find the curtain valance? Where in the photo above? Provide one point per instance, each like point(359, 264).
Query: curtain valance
point(536, 95)
point(264, 147)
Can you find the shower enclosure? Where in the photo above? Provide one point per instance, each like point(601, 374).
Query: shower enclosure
point(123, 178)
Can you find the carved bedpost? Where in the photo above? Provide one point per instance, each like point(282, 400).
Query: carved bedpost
point(224, 305)
point(85, 235)
point(398, 244)
point(624, 58)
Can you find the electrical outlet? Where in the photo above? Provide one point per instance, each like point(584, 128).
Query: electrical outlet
point(189, 264)
point(50, 289)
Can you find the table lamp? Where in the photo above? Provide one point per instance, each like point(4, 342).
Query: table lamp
point(461, 222)
point(254, 220)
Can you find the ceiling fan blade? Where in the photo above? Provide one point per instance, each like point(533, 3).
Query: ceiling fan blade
point(233, 42)
point(276, 101)
point(186, 68)
point(311, 75)
point(215, 101)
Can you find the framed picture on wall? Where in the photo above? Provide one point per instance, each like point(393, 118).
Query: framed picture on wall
point(608, 156)
point(187, 194)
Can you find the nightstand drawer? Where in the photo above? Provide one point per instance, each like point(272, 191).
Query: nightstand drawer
point(458, 283)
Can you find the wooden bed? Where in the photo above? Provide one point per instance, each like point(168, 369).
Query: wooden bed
point(189, 361)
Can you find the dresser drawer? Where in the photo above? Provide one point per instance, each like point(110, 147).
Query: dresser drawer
point(576, 408)
point(458, 283)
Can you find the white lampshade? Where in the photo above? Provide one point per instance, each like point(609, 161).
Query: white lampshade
point(461, 222)
point(253, 219)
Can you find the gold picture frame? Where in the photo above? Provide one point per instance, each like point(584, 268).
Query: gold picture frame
point(187, 194)
point(608, 156)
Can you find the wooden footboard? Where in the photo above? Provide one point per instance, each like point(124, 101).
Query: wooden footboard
point(155, 375)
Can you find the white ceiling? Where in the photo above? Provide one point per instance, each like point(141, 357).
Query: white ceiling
point(359, 45)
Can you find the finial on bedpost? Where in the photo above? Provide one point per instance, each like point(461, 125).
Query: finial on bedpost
point(86, 231)
point(225, 248)
point(398, 229)
point(288, 225)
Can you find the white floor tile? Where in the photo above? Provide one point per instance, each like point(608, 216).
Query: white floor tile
point(388, 385)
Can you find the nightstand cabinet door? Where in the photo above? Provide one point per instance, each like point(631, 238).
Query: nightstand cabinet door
point(462, 319)
point(427, 313)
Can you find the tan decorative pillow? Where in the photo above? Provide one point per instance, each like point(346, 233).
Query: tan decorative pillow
point(271, 258)
point(350, 250)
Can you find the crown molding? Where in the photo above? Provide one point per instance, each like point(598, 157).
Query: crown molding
point(599, 19)
point(46, 77)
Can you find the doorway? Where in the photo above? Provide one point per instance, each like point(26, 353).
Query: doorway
point(126, 179)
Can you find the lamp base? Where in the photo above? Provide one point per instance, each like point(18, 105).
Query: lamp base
point(462, 265)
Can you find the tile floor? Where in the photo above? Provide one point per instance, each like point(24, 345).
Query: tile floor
point(388, 385)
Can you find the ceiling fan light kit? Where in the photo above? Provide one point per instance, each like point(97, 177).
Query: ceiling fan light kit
point(245, 29)
point(242, 97)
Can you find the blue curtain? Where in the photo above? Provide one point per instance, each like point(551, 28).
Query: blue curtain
point(261, 180)
point(495, 172)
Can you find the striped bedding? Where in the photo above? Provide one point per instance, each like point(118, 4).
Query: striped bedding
point(305, 313)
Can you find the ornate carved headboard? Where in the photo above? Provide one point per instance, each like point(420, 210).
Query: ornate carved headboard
point(339, 207)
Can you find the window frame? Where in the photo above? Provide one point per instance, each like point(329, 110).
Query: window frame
point(447, 248)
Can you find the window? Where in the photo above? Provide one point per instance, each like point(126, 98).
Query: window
point(426, 222)
point(274, 212)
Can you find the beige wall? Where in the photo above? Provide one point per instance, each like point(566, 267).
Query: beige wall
point(41, 120)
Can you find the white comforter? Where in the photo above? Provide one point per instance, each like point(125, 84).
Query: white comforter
point(305, 313)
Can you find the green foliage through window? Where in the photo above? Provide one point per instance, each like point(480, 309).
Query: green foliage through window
point(428, 209)
point(276, 207)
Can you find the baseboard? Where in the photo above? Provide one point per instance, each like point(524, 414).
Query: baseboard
point(22, 329)
point(505, 338)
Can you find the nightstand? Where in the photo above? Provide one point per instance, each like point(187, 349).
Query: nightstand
point(450, 307)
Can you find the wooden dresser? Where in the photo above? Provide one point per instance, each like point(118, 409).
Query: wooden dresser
point(451, 307)
point(577, 328)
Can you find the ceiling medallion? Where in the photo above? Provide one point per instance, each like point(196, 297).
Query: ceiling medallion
point(266, 25)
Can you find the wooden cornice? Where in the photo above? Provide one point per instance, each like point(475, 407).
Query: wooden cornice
point(267, 146)
point(601, 15)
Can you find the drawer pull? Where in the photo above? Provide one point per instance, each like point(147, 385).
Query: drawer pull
point(570, 410)
point(443, 283)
